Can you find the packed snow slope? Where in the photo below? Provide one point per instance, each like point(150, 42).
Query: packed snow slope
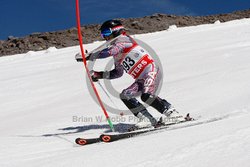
point(45, 104)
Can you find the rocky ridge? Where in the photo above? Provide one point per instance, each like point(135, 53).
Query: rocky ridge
point(66, 38)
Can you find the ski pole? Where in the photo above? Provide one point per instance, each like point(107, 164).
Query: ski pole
point(107, 94)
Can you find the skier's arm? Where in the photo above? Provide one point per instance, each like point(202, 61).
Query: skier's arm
point(89, 56)
point(99, 54)
point(117, 72)
point(113, 74)
point(113, 50)
point(78, 57)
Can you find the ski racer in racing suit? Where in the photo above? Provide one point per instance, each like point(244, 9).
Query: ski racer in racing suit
point(137, 62)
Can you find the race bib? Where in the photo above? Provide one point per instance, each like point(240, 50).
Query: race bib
point(135, 61)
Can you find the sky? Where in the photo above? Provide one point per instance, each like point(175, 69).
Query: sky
point(22, 17)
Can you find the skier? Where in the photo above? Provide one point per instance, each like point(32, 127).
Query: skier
point(137, 62)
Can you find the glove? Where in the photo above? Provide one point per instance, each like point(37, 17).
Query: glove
point(89, 56)
point(78, 57)
point(96, 75)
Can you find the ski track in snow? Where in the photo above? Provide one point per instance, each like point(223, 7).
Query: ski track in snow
point(206, 73)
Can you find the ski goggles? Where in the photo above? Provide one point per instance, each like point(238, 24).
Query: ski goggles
point(107, 32)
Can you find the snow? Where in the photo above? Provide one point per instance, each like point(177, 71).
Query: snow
point(206, 73)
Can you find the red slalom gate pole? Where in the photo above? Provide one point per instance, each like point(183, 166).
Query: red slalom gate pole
point(85, 65)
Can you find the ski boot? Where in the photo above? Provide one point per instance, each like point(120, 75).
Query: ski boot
point(171, 116)
point(146, 120)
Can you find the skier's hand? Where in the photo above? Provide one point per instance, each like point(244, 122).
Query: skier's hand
point(78, 56)
point(87, 55)
point(96, 75)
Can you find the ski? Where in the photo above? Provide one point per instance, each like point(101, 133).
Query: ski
point(114, 137)
point(83, 141)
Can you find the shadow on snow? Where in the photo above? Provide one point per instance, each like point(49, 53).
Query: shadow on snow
point(120, 128)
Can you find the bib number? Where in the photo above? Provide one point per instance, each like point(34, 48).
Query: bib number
point(128, 63)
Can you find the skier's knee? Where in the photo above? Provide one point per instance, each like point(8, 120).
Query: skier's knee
point(146, 96)
point(123, 96)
